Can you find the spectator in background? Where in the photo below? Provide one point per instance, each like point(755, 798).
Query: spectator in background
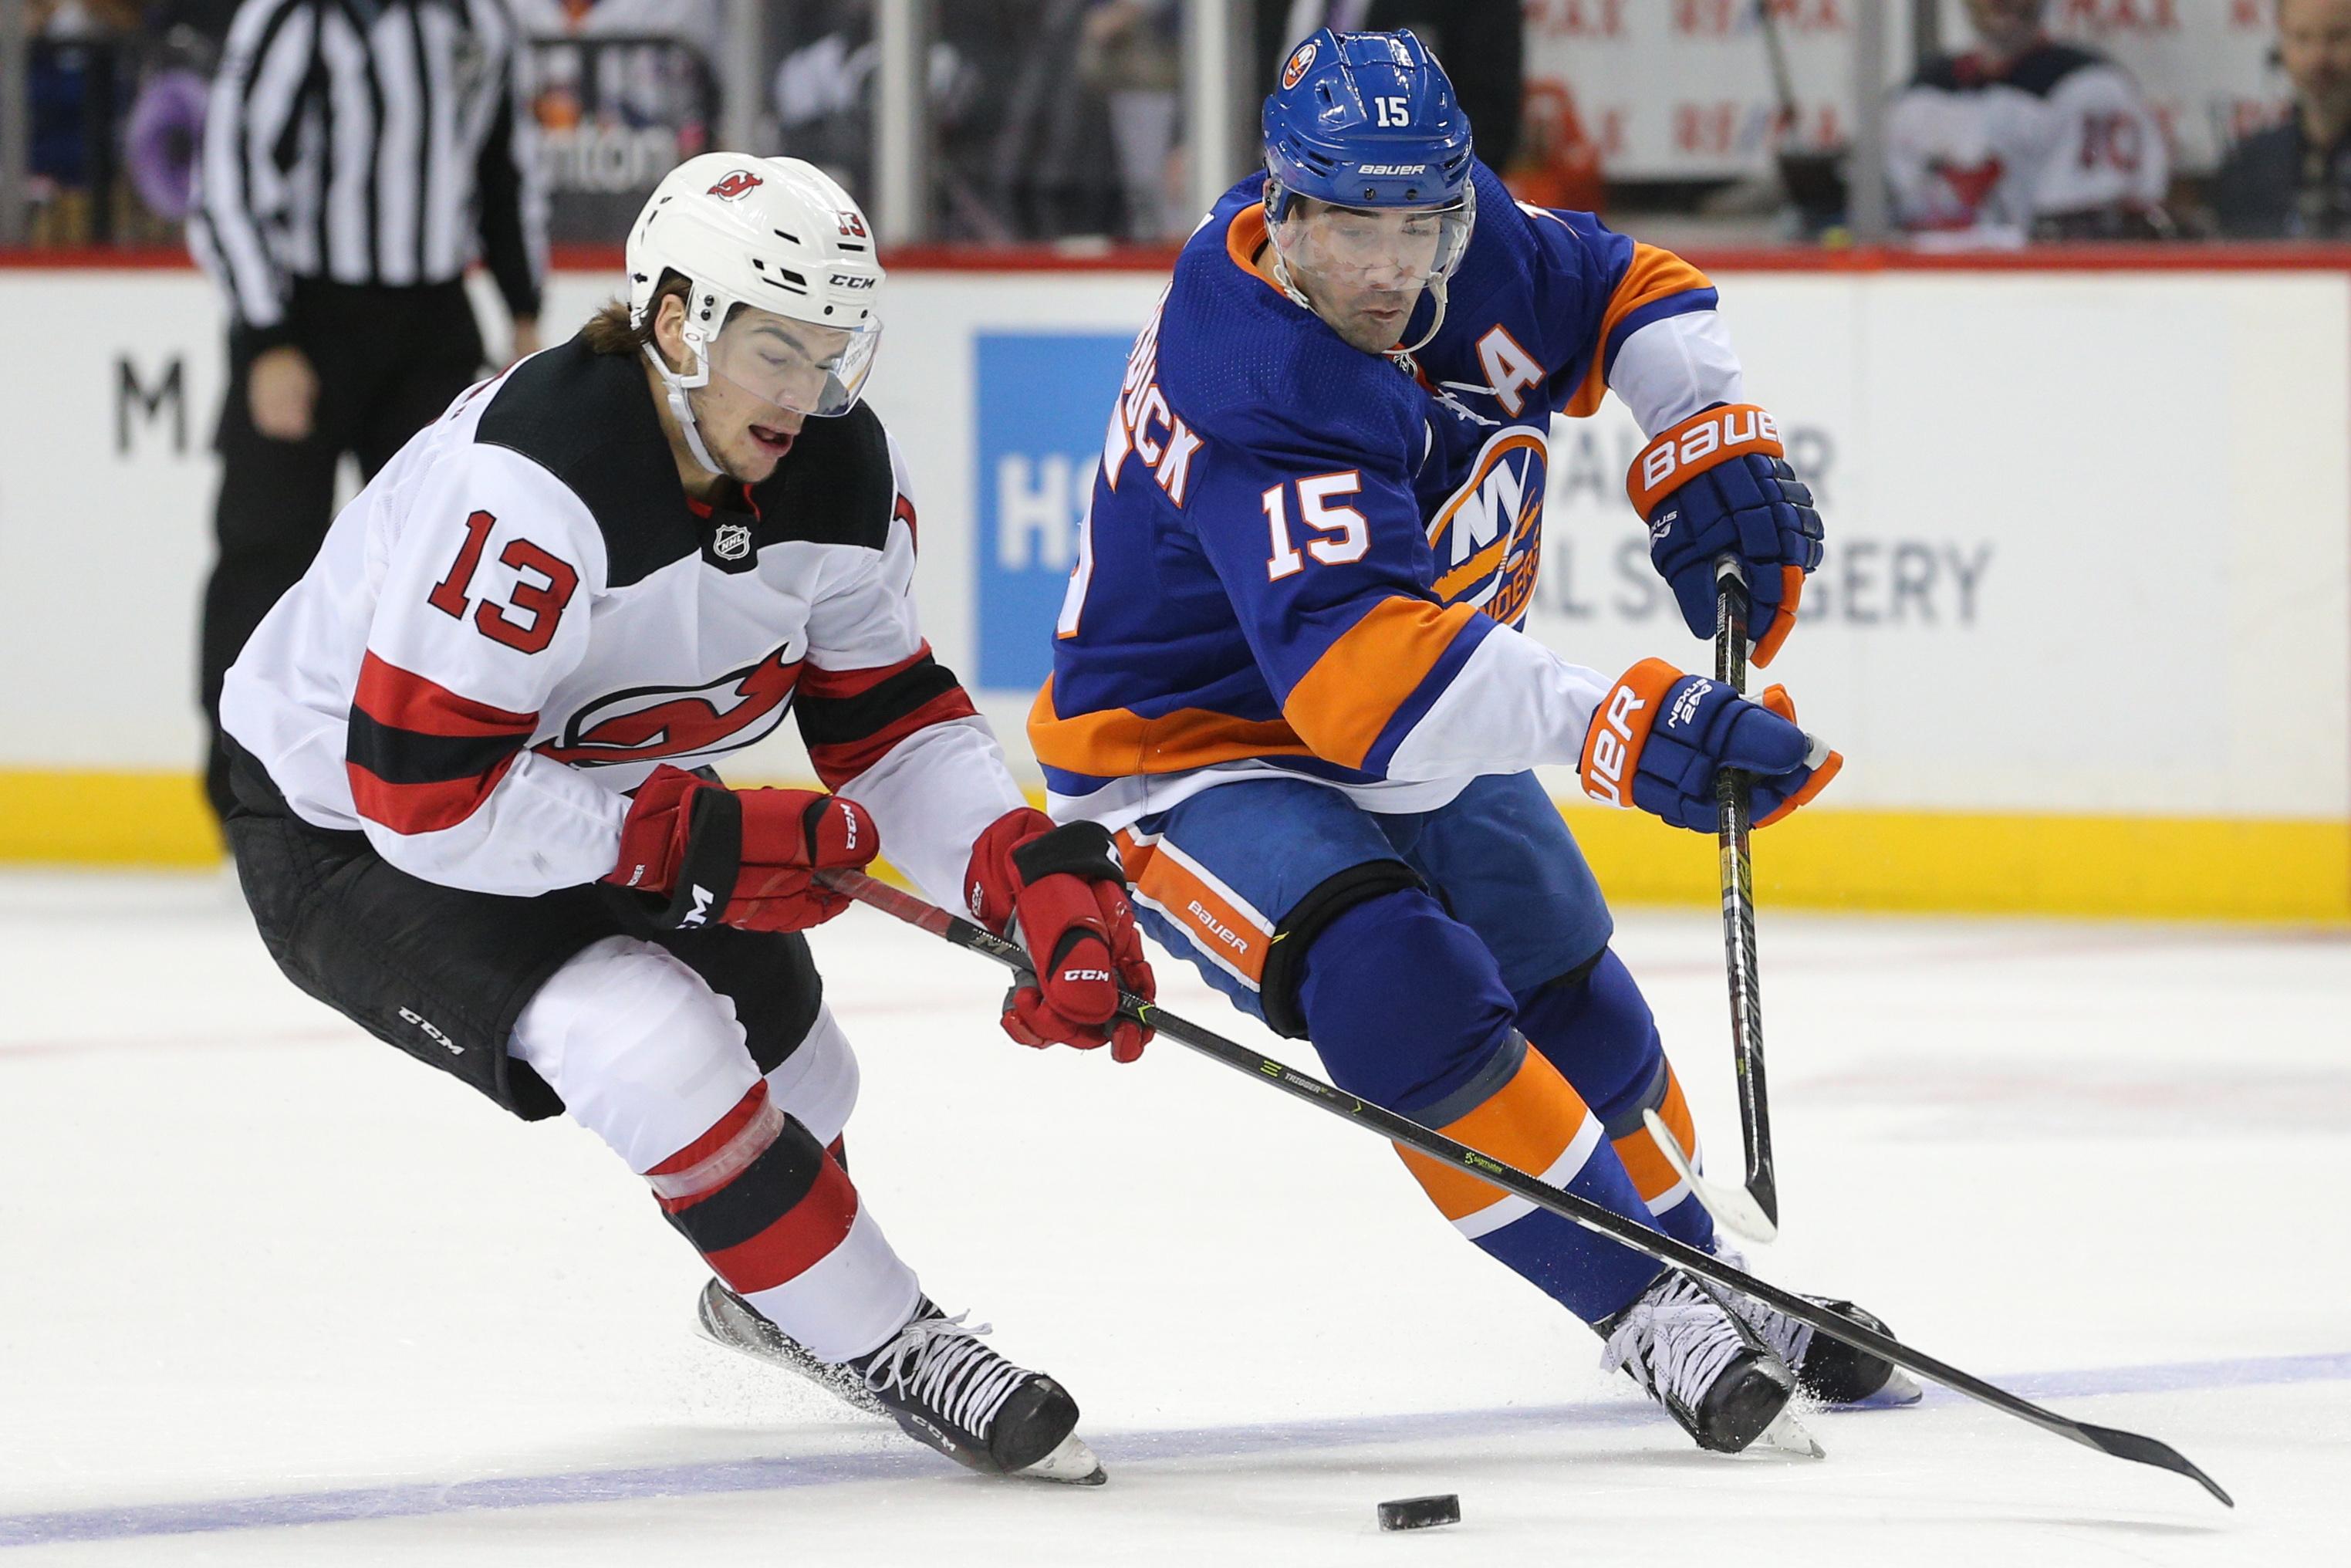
point(1131, 52)
point(2025, 138)
point(2293, 180)
point(355, 160)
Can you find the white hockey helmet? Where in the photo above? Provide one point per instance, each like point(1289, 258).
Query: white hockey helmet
point(780, 235)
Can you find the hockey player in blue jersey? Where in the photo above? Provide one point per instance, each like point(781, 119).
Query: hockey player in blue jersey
point(1290, 673)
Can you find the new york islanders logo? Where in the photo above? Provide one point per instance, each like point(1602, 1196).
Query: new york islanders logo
point(741, 183)
point(1300, 64)
point(1487, 536)
point(649, 724)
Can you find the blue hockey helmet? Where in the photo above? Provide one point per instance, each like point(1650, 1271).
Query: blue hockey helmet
point(1368, 120)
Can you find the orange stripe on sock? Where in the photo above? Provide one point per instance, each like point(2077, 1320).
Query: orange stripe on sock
point(1528, 1123)
point(1652, 1176)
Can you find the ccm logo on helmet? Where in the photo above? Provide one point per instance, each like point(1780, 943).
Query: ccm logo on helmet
point(1603, 777)
point(741, 183)
point(838, 282)
point(1299, 63)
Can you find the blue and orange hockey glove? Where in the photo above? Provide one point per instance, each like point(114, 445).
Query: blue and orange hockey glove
point(1060, 893)
point(1660, 738)
point(1719, 485)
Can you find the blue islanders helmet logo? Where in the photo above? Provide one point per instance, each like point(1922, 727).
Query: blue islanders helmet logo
point(1487, 536)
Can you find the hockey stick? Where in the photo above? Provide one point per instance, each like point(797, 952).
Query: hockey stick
point(1632, 1233)
point(1738, 946)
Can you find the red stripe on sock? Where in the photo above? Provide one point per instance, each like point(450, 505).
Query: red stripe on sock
point(810, 1230)
point(723, 1132)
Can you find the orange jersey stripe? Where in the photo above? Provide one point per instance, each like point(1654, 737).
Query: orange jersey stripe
point(1234, 934)
point(1340, 707)
point(1654, 274)
point(1528, 1123)
point(1117, 742)
point(1652, 1177)
point(1245, 238)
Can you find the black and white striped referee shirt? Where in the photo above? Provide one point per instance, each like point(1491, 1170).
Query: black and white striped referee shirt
point(367, 141)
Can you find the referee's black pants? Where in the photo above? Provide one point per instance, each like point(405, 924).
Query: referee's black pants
point(389, 361)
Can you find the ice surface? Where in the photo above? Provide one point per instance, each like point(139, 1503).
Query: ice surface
point(257, 1269)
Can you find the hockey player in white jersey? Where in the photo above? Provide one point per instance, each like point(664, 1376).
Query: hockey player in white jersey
point(2025, 138)
point(476, 812)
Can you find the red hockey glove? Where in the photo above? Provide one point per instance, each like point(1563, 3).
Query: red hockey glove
point(742, 857)
point(1060, 893)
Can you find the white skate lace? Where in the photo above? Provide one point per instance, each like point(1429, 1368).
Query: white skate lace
point(937, 1362)
point(1788, 1338)
point(1674, 1341)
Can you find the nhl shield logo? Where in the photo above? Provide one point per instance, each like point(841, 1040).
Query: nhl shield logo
point(731, 542)
point(741, 183)
point(1298, 64)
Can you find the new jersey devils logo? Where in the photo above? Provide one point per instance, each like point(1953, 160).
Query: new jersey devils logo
point(649, 724)
point(741, 183)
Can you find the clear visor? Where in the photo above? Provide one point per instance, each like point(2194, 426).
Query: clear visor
point(1397, 250)
point(798, 366)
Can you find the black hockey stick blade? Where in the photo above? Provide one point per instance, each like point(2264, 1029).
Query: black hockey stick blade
point(1582, 1211)
point(2149, 1451)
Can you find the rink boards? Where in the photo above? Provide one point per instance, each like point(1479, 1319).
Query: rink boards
point(2084, 631)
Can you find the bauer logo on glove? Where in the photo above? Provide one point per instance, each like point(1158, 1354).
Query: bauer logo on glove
point(1717, 486)
point(1672, 763)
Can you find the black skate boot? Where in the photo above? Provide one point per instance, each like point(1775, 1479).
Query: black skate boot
point(944, 1389)
point(1829, 1369)
point(1722, 1385)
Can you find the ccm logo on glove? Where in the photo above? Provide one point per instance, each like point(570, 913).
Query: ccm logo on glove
point(1060, 893)
point(748, 857)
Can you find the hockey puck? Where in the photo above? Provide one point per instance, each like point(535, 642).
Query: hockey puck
point(1420, 1512)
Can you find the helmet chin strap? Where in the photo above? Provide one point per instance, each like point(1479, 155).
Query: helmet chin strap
point(677, 387)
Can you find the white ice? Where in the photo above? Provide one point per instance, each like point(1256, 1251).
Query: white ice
point(251, 1259)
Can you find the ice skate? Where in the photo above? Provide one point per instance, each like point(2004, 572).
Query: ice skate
point(1723, 1385)
point(1826, 1369)
point(944, 1389)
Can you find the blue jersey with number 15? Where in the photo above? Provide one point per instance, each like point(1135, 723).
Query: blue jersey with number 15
point(1302, 557)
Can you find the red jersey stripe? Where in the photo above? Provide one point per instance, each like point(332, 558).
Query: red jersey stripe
point(832, 684)
point(838, 763)
point(410, 809)
point(398, 699)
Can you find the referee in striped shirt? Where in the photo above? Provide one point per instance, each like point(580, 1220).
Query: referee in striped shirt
point(358, 155)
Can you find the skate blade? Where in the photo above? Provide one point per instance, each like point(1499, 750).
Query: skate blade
point(1786, 1434)
point(1901, 1388)
point(1072, 1463)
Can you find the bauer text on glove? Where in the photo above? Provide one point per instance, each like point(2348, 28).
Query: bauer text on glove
point(1718, 485)
point(1660, 738)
